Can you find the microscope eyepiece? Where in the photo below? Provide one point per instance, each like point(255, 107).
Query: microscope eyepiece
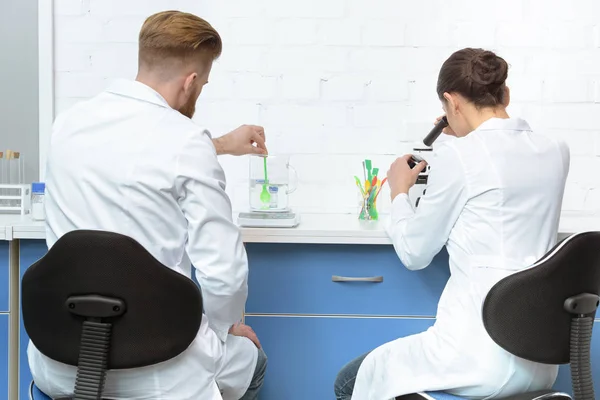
point(435, 132)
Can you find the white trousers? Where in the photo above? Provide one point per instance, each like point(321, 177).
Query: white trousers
point(207, 370)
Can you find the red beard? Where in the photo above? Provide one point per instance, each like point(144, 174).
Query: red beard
point(189, 108)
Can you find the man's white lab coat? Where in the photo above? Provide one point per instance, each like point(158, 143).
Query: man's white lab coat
point(124, 161)
point(494, 200)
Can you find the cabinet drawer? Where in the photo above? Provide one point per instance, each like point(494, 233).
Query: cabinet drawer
point(305, 354)
point(297, 279)
point(4, 277)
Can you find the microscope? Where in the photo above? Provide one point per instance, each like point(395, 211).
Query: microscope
point(420, 186)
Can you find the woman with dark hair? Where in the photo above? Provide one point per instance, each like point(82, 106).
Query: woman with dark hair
point(493, 198)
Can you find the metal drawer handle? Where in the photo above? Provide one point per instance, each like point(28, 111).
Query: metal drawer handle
point(375, 279)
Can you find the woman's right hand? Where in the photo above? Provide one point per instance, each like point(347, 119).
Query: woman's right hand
point(447, 130)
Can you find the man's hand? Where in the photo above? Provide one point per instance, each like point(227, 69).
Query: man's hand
point(247, 139)
point(401, 177)
point(240, 329)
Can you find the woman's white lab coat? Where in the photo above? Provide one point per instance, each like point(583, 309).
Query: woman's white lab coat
point(494, 200)
point(126, 162)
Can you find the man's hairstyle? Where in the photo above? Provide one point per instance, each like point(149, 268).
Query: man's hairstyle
point(176, 36)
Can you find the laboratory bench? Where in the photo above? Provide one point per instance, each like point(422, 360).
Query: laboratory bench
point(311, 319)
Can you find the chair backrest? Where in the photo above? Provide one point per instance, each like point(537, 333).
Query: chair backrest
point(163, 309)
point(526, 313)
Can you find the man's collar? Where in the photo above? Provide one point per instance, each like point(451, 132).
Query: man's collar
point(137, 90)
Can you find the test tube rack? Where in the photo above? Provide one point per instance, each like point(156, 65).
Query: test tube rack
point(15, 199)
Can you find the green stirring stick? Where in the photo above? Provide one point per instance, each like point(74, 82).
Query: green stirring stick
point(265, 196)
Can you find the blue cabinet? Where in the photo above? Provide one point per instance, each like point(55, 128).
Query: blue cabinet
point(306, 353)
point(297, 279)
point(4, 277)
point(291, 283)
point(287, 280)
point(31, 251)
point(3, 356)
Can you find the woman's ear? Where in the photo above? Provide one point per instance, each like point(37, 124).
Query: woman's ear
point(451, 104)
point(506, 98)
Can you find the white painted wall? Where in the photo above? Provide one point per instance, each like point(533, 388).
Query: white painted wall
point(337, 81)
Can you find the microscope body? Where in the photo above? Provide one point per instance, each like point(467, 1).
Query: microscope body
point(422, 153)
point(418, 190)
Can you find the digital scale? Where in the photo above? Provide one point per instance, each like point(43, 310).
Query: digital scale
point(266, 219)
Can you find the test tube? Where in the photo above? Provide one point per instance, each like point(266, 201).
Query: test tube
point(20, 168)
point(13, 163)
point(9, 175)
point(8, 167)
point(18, 163)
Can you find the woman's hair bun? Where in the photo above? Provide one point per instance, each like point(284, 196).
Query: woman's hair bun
point(486, 68)
point(476, 74)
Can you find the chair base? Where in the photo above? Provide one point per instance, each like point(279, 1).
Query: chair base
point(539, 395)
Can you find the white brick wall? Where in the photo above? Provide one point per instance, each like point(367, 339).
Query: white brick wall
point(337, 81)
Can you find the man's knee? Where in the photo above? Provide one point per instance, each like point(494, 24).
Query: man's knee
point(261, 366)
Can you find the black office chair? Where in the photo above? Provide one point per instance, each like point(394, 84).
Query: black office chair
point(98, 301)
point(546, 314)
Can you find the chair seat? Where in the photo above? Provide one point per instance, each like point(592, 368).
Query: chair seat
point(539, 395)
point(440, 396)
point(429, 396)
point(36, 394)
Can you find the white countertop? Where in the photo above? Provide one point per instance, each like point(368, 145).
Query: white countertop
point(313, 228)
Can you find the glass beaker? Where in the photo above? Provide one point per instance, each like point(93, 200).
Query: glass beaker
point(270, 182)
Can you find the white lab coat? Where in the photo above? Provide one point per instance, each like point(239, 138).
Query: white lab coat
point(124, 161)
point(493, 199)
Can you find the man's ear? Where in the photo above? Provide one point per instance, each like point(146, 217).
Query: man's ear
point(188, 84)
